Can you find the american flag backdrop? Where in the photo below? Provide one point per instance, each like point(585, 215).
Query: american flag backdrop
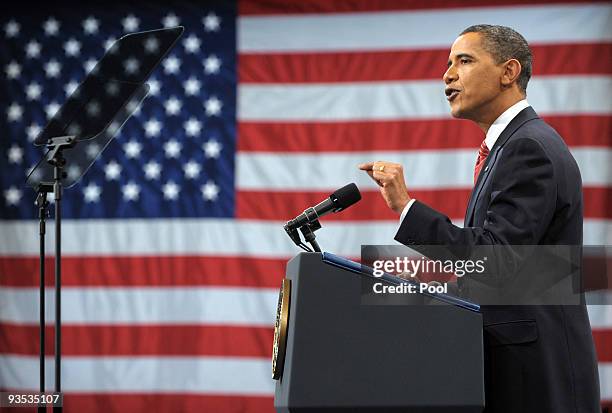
point(173, 243)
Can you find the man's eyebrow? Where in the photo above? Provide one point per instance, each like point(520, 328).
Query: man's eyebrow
point(459, 56)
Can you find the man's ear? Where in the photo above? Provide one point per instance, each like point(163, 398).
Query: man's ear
point(512, 70)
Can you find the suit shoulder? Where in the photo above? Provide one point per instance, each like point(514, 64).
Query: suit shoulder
point(544, 135)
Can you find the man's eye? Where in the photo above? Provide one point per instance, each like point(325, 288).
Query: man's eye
point(465, 61)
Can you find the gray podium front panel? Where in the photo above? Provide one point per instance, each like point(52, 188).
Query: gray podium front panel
point(342, 355)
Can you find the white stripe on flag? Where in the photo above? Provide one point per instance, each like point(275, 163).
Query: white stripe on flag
point(207, 375)
point(600, 309)
point(157, 306)
point(404, 29)
point(605, 380)
point(219, 237)
point(423, 169)
point(407, 99)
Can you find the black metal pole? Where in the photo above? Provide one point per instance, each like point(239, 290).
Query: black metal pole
point(57, 190)
point(42, 203)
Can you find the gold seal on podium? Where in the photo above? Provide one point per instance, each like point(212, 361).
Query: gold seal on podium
point(280, 329)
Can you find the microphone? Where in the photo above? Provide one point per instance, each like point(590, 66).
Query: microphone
point(341, 199)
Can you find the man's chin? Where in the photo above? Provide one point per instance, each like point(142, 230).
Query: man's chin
point(457, 113)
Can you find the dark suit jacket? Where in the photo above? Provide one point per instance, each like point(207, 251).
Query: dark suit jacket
point(537, 358)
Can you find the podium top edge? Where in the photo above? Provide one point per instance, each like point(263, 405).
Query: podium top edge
point(346, 264)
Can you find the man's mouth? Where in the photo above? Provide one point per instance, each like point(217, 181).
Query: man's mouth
point(451, 93)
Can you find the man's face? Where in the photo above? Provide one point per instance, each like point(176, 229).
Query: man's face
point(472, 79)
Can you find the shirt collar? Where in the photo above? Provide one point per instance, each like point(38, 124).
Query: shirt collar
point(502, 121)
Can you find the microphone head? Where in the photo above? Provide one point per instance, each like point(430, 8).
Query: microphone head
point(345, 197)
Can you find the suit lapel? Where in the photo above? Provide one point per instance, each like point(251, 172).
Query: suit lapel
point(523, 116)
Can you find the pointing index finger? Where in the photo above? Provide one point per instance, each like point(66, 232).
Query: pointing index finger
point(368, 166)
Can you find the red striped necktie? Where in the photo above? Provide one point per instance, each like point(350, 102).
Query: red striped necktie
point(482, 155)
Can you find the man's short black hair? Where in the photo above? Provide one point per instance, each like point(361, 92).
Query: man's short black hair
point(504, 43)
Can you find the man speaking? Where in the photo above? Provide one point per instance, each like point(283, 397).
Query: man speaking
point(527, 191)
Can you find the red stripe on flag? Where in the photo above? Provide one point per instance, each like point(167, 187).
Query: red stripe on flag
point(451, 202)
point(160, 402)
point(597, 202)
point(138, 340)
point(561, 59)
point(401, 135)
point(603, 344)
point(249, 204)
point(275, 7)
point(157, 271)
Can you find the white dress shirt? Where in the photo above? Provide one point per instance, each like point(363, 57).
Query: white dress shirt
point(493, 133)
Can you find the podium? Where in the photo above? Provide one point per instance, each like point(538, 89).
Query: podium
point(336, 350)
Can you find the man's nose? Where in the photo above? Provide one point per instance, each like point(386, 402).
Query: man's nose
point(450, 75)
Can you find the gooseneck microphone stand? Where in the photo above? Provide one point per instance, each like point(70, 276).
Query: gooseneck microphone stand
point(307, 231)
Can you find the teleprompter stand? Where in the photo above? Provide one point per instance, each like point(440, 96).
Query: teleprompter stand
point(78, 133)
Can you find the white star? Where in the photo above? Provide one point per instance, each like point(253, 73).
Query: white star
point(114, 128)
point(152, 127)
point(132, 149)
point(212, 149)
point(192, 44)
point(131, 191)
point(192, 86)
point(51, 26)
point(92, 150)
point(74, 129)
point(53, 68)
point(109, 43)
point(211, 22)
point(32, 131)
point(151, 44)
point(130, 23)
point(170, 20)
point(192, 169)
point(152, 170)
point(15, 154)
point(51, 109)
point(92, 193)
point(89, 65)
point(74, 172)
point(72, 47)
point(210, 191)
point(12, 196)
point(133, 107)
point(213, 106)
point(112, 170)
point(33, 91)
point(131, 66)
point(90, 25)
point(93, 108)
point(192, 127)
point(11, 29)
point(172, 148)
point(170, 190)
point(212, 64)
point(153, 87)
point(14, 112)
point(70, 87)
point(32, 49)
point(111, 88)
point(13, 70)
point(171, 65)
point(173, 106)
